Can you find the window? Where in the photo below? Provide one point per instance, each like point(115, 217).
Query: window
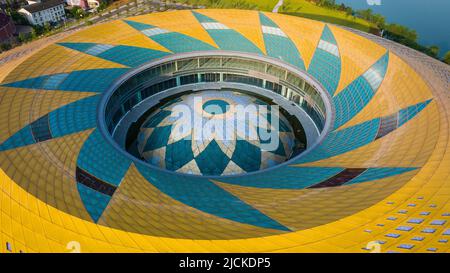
point(167, 68)
point(274, 87)
point(210, 77)
point(187, 64)
point(404, 228)
point(415, 221)
point(154, 89)
point(209, 62)
point(438, 222)
point(242, 79)
point(275, 71)
point(428, 230)
point(393, 235)
point(130, 103)
point(406, 246)
point(189, 79)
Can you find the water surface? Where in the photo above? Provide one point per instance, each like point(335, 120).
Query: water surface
point(430, 18)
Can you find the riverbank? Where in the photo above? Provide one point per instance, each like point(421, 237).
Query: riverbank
point(300, 8)
point(430, 19)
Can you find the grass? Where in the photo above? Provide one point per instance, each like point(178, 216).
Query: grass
point(309, 10)
point(264, 5)
point(301, 8)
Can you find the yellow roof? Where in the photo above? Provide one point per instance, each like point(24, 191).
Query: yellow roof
point(42, 210)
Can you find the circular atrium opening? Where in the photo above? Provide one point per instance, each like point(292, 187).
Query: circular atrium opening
point(217, 133)
point(214, 115)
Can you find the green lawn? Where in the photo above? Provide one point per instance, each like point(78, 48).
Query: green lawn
point(309, 10)
point(300, 8)
point(264, 5)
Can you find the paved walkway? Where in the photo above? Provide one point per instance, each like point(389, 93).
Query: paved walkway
point(278, 6)
point(32, 46)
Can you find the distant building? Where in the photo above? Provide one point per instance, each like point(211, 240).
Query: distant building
point(7, 27)
point(78, 3)
point(45, 11)
point(93, 4)
point(4, 4)
point(11, 1)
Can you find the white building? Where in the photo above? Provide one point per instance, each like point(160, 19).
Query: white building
point(93, 4)
point(78, 3)
point(45, 11)
point(84, 4)
point(73, 2)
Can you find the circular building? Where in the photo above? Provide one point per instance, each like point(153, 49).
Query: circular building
point(224, 130)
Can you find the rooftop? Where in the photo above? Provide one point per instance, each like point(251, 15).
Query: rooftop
point(45, 4)
point(4, 19)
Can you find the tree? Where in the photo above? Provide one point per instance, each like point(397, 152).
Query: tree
point(434, 50)
point(365, 14)
point(241, 4)
point(379, 20)
point(402, 31)
point(47, 27)
point(286, 7)
point(103, 5)
point(348, 11)
point(33, 34)
point(447, 57)
point(76, 12)
point(23, 37)
point(327, 3)
point(37, 30)
point(4, 47)
point(18, 18)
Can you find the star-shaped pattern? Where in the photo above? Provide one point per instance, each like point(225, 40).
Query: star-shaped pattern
point(100, 169)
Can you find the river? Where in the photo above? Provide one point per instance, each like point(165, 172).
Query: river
point(430, 18)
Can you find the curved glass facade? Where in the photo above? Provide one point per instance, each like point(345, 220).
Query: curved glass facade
point(234, 144)
point(215, 69)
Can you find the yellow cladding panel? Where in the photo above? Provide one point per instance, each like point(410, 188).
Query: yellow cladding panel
point(19, 107)
point(357, 55)
point(41, 210)
point(408, 146)
point(114, 33)
point(303, 32)
point(50, 168)
point(61, 236)
point(185, 23)
point(249, 28)
point(307, 208)
point(57, 59)
point(10, 66)
point(157, 214)
point(401, 87)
